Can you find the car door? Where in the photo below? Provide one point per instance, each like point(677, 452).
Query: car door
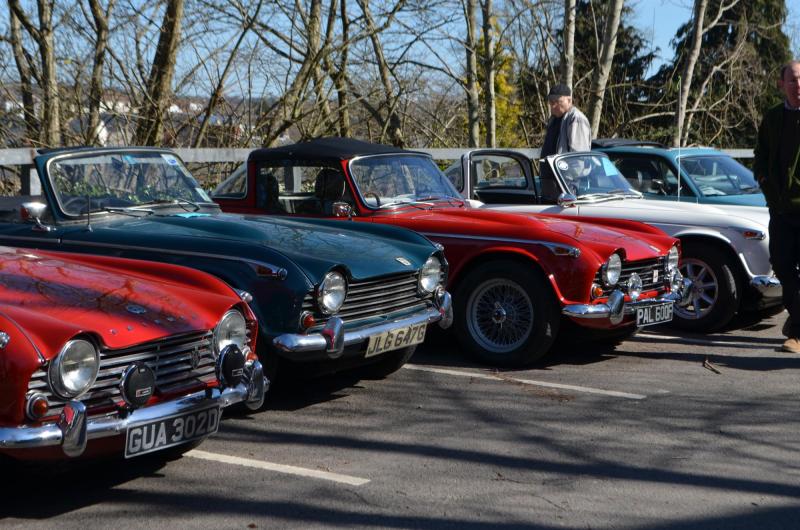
point(497, 177)
point(17, 226)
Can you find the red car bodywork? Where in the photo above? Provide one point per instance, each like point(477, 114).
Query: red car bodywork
point(569, 253)
point(49, 298)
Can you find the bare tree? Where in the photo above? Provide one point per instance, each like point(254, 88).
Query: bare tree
point(42, 35)
point(473, 97)
point(25, 69)
point(100, 18)
point(605, 61)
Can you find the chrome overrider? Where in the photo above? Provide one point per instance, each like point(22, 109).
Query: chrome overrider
point(333, 338)
point(616, 307)
point(74, 428)
point(768, 286)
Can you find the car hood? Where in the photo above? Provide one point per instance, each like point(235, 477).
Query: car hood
point(53, 299)
point(640, 242)
point(315, 245)
point(662, 212)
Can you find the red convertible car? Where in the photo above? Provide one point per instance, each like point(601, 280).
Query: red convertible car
point(103, 356)
point(514, 277)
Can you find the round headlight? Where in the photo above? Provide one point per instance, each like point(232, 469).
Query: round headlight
point(74, 369)
point(612, 269)
point(672, 258)
point(430, 275)
point(232, 329)
point(331, 293)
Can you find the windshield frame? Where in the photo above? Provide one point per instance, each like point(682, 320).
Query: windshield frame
point(684, 174)
point(415, 154)
point(52, 189)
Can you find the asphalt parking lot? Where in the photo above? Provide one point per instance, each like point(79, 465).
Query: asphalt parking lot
point(668, 430)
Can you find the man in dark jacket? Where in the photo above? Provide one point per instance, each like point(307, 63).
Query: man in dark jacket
point(777, 168)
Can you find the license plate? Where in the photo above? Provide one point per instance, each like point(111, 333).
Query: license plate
point(167, 432)
point(395, 339)
point(654, 314)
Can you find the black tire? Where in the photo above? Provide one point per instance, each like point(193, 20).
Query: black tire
point(514, 332)
point(388, 364)
point(715, 296)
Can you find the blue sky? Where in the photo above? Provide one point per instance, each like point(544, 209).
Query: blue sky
point(658, 20)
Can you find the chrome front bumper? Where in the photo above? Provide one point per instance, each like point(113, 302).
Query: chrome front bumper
point(74, 428)
point(616, 307)
point(767, 286)
point(332, 338)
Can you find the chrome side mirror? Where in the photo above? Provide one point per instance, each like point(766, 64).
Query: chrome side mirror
point(342, 209)
point(567, 200)
point(35, 211)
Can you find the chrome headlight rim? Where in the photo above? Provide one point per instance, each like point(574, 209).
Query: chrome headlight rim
point(430, 275)
point(239, 339)
point(612, 270)
point(673, 257)
point(329, 302)
point(55, 372)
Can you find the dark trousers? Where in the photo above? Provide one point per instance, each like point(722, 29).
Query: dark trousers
point(784, 254)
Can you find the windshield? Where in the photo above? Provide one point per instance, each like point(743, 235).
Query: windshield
point(119, 180)
point(400, 179)
point(593, 175)
point(719, 175)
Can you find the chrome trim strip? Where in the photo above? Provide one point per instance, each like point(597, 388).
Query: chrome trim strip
point(573, 252)
point(51, 434)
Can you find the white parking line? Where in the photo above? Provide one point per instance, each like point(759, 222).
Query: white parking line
point(574, 388)
point(279, 468)
point(700, 342)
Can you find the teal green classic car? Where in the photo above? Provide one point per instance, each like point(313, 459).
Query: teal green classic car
point(688, 174)
point(327, 294)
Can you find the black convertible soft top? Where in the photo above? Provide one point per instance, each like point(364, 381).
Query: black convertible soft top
point(325, 150)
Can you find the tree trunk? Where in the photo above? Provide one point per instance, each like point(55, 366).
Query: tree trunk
point(688, 70)
point(600, 80)
point(100, 18)
point(568, 63)
point(22, 61)
point(489, 97)
point(473, 101)
point(150, 130)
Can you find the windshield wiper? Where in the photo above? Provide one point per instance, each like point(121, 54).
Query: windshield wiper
point(414, 203)
point(128, 210)
point(610, 195)
point(178, 202)
point(458, 201)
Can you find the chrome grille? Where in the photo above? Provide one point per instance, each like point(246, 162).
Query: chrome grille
point(645, 269)
point(170, 359)
point(374, 298)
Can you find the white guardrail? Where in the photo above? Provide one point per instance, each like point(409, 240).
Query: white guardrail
point(204, 155)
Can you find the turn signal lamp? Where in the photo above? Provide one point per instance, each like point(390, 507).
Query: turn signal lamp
point(37, 406)
point(307, 320)
point(597, 291)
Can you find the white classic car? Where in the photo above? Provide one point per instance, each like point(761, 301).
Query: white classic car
point(724, 248)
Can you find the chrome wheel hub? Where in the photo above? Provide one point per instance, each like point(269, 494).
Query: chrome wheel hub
point(704, 293)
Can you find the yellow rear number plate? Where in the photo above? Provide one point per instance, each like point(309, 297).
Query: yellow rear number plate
point(395, 339)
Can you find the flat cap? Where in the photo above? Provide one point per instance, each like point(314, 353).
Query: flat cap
point(559, 90)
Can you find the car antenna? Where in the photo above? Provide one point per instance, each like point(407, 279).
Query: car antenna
point(88, 214)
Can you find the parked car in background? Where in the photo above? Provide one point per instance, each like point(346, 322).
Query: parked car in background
point(102, 355)
point(328, 296)
point(513, 276)
point(689, 174)
point(725, 248)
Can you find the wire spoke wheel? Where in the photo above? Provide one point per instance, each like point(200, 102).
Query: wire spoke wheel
point(500, 315)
